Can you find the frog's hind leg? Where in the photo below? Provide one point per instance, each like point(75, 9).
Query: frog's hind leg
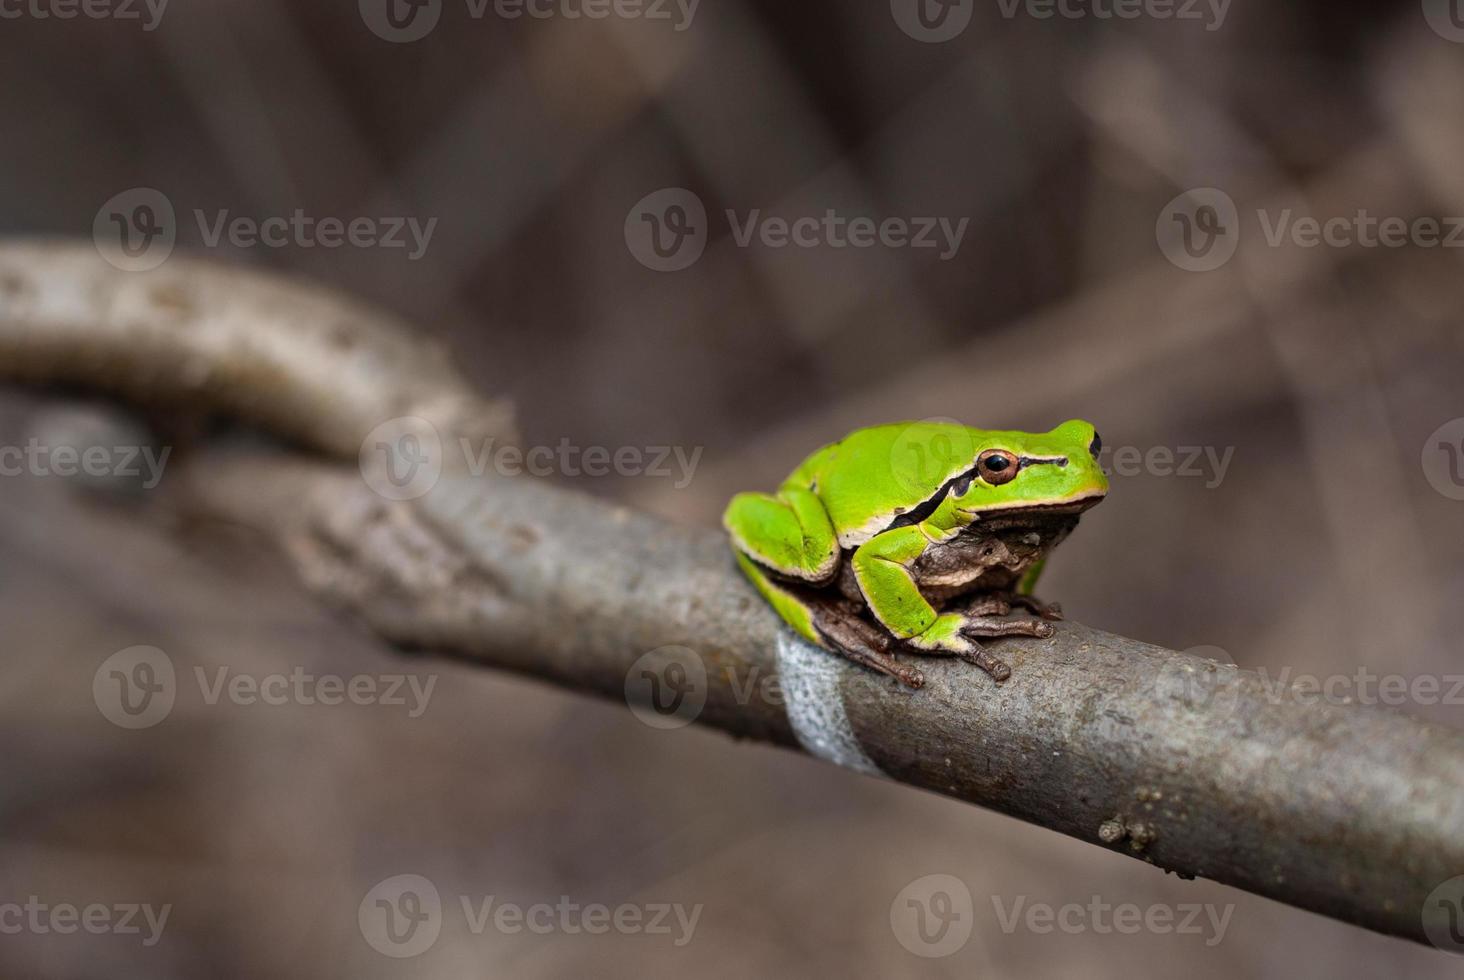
point(795, 612)
point(832, 624)
point(790, 533)
point(976, 654)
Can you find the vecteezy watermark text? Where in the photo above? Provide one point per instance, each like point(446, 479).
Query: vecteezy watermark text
point(64, 918)
point(148, 12)
point(1212, 12)
point(1100, 916)
point(137, 230)
point(404, 21)
point(933, 917)
point(668, 230)
point(402, 917)
point(837, 231)
point(403, 458)
point(36, 458)
point(138, 687)
point(1362, 686)
point(937, 21)
point(1200, 229)
point(301, 230)
point(1209, 463)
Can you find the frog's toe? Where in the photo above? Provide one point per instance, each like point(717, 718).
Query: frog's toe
point(994, 626)
point(977, 655)
point(912, 677)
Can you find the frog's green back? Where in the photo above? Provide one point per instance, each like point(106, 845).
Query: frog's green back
point(878, 473)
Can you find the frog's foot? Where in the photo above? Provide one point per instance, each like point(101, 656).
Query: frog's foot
point(985, 611)
point(842, 629)
point(991, 627)
point(950, 636)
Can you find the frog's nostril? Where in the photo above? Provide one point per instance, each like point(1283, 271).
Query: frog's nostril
point(1096, 446)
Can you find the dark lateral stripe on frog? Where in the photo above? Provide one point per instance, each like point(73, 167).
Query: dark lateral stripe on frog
point(960, 483)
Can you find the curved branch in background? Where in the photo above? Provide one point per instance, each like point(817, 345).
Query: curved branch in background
point(1196, 767)
point(308, 363)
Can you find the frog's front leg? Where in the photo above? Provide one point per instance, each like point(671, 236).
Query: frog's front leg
point(882, 570)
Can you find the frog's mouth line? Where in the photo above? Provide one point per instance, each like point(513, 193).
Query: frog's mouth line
point(1071, 505)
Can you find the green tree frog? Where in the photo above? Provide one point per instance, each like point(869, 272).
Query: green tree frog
point(918, 536)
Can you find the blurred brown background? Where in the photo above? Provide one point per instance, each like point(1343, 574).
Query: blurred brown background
point(1330, 540)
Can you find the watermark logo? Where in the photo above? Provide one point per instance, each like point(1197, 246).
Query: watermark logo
point(1210, 687)
point(1443, 459)
point(667, 687)
point(928, 452)
point(400, 21)
point(401, 917)
point(1443, 915)
point(1446, 18)
point(401, 459)
point(933, 916)
point(666, 230)
point(136, 229)
point(932, 21)
point(1199, 229)
point(136, 687)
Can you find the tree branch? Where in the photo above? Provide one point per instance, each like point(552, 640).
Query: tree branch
point(1199, 768)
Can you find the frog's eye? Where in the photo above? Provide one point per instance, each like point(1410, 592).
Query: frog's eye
point(1096, 446)
point(997, 466)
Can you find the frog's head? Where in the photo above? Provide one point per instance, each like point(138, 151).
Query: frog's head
point(1050, 472)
